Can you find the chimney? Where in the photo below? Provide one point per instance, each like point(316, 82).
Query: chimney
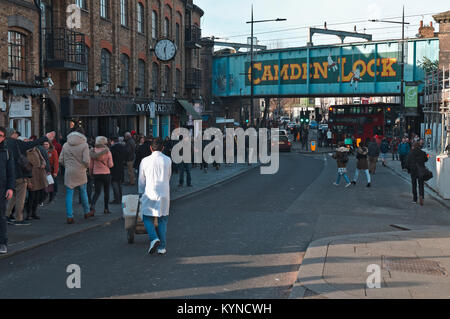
point(431, 24)
point(421, 23)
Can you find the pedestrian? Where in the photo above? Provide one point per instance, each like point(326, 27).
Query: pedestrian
point(131, 149)
point(37, 183)
point(329, 138)
point(7, 186)
point(54, 167)
point(341, 157)
point(415, 163)
point(57, 146)
point(374, 152)
point(394, 148)
point(75, 158)
point(99, 169)
point(362, 164)
point(154, 189)
point(184, 167)
point(384, 149)
point(119, 156)
point(18, 149)
point(142, 152)
point(305, 139)
point(204, 164)
point(403, 151)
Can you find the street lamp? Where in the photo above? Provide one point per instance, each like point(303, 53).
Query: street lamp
point(402, 106)
point(252, 91)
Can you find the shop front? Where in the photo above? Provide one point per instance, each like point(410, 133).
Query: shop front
point(100, 116)
point(161, 115)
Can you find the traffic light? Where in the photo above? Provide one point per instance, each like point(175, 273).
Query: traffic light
point(307, 116)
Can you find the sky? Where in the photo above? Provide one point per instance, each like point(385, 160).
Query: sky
point(226, 19)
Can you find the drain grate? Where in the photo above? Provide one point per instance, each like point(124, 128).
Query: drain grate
point(413, 265)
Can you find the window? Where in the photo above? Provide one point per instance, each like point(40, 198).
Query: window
point(82, 77)
point(82, 4)
point(155, 77)
point(104, 9)
point(124, 72)
point(166, 27)
point(106, 70)
point(124, 12)
point(140, 17)
point(154, 25)
point(177, 35)
point(178, 83)
point(141, 77)
point(17, 62)
point(168, 80)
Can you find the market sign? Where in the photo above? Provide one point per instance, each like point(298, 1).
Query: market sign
point(411, 96)
point(20, 106)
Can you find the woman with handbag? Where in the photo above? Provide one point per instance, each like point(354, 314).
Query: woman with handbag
point(101, 163)
point(37, 183)
point(54, 167)
point(415, 163)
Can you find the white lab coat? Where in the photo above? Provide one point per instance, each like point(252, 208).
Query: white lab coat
point(154, 184)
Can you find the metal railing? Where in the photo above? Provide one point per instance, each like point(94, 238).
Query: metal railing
point(65, 49)
point(193, 79)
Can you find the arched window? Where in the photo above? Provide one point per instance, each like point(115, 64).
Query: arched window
point(155, 77)
point(154, 25)
point(141, 77)
point(166, 27)
point(125, 73)
point(178, 83)
point(17, 56)
point(140, 17)
point(106, 70)
point(177, 35)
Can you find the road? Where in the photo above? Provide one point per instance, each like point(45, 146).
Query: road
point(242, 239)
point(233, 241)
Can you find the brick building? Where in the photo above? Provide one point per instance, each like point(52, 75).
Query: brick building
point(444, 37)
point(105, 72)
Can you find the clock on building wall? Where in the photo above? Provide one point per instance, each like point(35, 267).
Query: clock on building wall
point(165, 50)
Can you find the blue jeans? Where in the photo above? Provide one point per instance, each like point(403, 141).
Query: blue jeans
point(185, 167)
point(366, 171)
point(159, 233)
point(69, 200)
point(345, 177)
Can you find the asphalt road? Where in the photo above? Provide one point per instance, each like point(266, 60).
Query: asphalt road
point(236, 240)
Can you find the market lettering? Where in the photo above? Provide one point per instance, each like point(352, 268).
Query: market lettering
point(268, 72)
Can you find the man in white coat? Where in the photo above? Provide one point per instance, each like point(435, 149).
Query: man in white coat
point(154, 190)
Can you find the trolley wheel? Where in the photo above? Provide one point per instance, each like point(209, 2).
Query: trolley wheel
point(130, 235)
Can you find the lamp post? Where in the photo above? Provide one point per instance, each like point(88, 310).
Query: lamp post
point(252, 88)
point(402, 73)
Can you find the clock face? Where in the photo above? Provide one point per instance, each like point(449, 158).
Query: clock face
point(165, 50)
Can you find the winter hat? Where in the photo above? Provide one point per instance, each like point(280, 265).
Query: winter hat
point(10, 131)
point(101, 140)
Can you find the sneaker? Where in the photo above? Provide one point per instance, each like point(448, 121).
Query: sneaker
point(3, 249)
point(353, 183)
point(335, 184)
point(162, 251)
point(22, 223)
point(368, 185)
point(348, 185)
point(153, 246)
point(10, 220)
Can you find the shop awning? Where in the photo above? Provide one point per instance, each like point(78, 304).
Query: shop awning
point(190, 109)
point(28, 91)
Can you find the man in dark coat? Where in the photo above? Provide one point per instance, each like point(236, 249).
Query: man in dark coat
point(362, 164)
point(374, 152)
point(414, 163)
point(18, 149)
point(131, 153)
point(7, 185)
point(119, 155)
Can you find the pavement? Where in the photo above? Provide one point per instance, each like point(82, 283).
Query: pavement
point(52, 226)
point(407, 259)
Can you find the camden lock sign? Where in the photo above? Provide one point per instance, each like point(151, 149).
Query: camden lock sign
point(363, 68)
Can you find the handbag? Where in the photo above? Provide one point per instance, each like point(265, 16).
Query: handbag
point(424, 173)
point(50, 179)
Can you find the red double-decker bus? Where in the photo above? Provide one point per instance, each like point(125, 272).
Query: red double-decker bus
point(357, 121)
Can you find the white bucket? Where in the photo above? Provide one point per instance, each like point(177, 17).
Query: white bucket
point(129, 207)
